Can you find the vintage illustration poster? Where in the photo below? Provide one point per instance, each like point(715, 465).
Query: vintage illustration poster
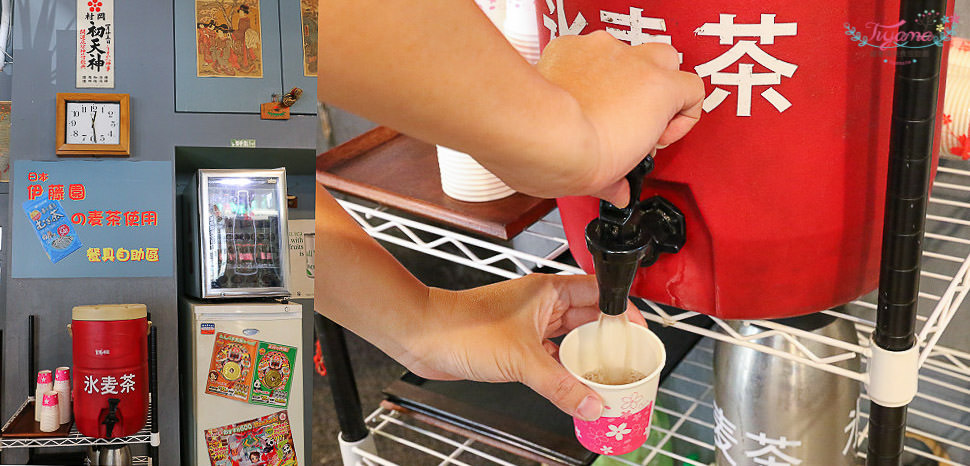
point(264, 441)
point(231, 369)
point(228, 38)
point(308, 10)
point(274, 370)
point(95, 45)
point(5, 141)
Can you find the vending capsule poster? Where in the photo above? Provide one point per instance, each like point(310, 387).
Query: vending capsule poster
point(264, 441)
point(231, 369)
point(274, 370)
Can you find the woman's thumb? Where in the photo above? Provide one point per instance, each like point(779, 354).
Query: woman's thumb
point(617, 193)
point(546, 377)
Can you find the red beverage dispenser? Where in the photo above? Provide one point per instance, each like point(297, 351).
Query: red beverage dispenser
point(783, 180)
point(110, 377)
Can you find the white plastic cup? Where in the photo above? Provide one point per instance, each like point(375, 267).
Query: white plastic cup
point(520, 18)
point(464, 179)
point(49, 412)
point(494, 9)
point(62, 385)
point(45, 383)
point(627, 409)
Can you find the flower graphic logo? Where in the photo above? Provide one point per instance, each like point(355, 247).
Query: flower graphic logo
point(607, 450)
point(618, 431)
point(632, 402)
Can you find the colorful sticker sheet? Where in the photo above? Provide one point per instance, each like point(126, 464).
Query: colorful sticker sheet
point(264, 441)
point(274, 371)
point(253, 371)
point(231, 368)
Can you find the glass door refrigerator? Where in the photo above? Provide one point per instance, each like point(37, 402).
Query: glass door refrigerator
point(241, 340)
point(237, 238)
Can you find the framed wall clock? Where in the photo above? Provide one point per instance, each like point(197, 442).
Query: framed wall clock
point(93, 124)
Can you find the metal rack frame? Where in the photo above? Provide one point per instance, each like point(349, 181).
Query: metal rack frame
point(686, 398)
point(937, 310)
point(946, 277)
point(148, 434)
point(75, 439)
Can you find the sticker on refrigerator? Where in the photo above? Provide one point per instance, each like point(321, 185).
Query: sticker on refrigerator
point(231, 369)
point(274, 370)
point(207, 328)
point(264, 441)
point(53, 228)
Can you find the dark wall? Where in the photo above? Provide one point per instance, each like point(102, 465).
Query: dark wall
point(43, 46)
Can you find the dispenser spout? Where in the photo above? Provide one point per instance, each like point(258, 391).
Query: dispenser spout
point(111, 418)
point(622, 240)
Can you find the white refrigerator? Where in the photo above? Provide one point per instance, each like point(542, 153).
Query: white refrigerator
point(280, 324)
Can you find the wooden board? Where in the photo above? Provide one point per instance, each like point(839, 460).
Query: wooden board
point(23, 425)
point(399, 171)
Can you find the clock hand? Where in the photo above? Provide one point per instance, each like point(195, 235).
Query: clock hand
point(94, 130)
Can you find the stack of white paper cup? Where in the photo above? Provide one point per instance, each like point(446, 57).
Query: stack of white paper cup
point(464, 179)
point(62, 385)
point(494, 9)
point(49, 412)
point(955, 137)
point(45, 383)
point(521, 29)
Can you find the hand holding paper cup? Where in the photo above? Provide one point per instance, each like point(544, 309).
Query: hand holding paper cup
point(628, 408)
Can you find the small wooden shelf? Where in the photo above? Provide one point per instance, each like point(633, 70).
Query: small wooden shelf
point(23, 425)
point(399, 171)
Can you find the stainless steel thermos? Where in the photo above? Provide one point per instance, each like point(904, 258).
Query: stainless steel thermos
point(770, 410)
point(109, 455)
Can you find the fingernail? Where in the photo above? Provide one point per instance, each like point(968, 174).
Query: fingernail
point(590, 409)
point(662, 146)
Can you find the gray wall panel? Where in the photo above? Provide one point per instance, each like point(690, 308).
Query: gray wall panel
point(43, 46)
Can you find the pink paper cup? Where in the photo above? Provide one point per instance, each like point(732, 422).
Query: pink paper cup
point(627, 409)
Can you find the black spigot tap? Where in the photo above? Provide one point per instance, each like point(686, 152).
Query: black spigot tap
point(111, 418)
point(623, 239)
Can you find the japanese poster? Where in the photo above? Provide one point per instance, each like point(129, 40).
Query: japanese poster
point(95, 44)
point(274, 370)
point(265, 441)
point(114, 207)
point(228, 39)
point(231, 368)
point(5, 141)
point(308, 12)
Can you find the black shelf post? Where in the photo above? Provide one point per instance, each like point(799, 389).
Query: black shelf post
point(910, 162)
point(340, 374)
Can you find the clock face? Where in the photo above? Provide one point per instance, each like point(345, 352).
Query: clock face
point(93, 123)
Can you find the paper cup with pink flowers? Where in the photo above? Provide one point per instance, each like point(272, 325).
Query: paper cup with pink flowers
point(628, 408)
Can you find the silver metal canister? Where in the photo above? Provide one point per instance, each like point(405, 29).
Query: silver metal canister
point(769, 410)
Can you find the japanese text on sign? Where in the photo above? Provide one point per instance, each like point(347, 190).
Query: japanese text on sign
point(109, 385)
point(631, 27)
point(109, 216)
point(95, 47)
